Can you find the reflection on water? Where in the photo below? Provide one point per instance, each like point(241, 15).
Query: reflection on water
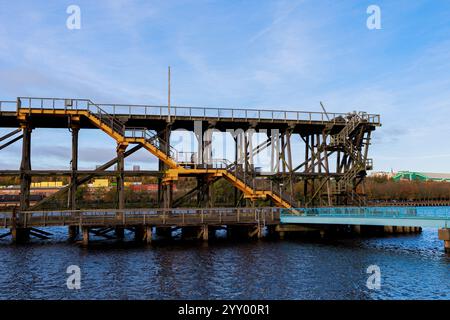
point(412, 267)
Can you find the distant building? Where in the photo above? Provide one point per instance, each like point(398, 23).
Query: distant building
point(136, 168)
point(421, 176)
point(100, 183)
point(47, 184)
point(382, 174)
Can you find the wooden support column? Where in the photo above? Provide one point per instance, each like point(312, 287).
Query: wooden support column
point(204, 196)
point(305, 182)
point(121, 147)
point(18, 232)
point(444, 234)
point(73, 232)
point(205, 232)
point(165, 190)
point(165, 232)
point(75, 128)
point(357, 229)
point(139, 233)
point(119, 232)
point(148, 234)
point(204, 139)
point(289, 162)
point(120, 176)
point(85, 231)
point(20, 235)
point(256, 231)
point(25, 178)
point(237, 192)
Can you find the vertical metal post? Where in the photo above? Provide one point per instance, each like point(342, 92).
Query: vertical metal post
point(120, 177)
point(74, 166)
point(25, 177)
point(305, 183)
point(168, 98)
point(165, 191)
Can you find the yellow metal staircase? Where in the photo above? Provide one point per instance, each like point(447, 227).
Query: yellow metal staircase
point(162, 150)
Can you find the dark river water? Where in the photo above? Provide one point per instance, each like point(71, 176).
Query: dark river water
point(411, 266)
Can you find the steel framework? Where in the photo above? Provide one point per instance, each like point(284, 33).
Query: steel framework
point(332, 172)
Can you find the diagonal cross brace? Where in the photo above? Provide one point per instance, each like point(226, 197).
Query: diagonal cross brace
point(86, 178)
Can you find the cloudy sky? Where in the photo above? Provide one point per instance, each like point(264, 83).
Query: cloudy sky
point(286, 55)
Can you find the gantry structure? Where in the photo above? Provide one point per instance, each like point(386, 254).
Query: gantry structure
point(331, 172)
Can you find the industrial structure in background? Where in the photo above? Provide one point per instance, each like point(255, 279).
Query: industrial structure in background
point(412, 176)
point(334, 165)
point(331, 173)
point(421, 176)
point(335, 149)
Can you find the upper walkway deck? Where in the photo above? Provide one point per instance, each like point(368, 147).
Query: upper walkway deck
point(178, 115)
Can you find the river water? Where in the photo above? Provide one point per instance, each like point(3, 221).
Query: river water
point(412, 267)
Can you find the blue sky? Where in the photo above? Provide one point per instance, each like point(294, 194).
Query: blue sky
point(286, 55)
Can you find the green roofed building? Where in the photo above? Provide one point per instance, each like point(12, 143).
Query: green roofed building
point(421, 176)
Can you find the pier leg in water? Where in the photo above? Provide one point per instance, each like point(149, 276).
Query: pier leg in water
point(73, 232)
point(85, 231)
point(165, 232)
point(120, 233)
point(204, 233)
point(444, 234)
point(148, 234)
point(20, 235)
point(322, 233)
point(253, 232)
point(237, 231)
point(139, 233)
point(356, 229)
point(191, 232)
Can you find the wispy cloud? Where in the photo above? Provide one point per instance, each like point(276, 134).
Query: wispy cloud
point(271, 54)
point(279, 17)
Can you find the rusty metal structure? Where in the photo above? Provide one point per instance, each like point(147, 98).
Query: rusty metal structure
point(332, 172)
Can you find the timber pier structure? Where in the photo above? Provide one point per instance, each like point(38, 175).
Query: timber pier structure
point(331, 172)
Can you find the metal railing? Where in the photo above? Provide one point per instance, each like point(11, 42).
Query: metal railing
point(259, 184)
point(188, 158)
point(352, 121)
point(153, 139)
point(72, 104)
point(104, 117)
point(369, 212)
point(229, 113)
point(53, 103)
point(111, 217)
point(195, 112)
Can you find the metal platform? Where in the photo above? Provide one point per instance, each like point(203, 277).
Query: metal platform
point(328, 137)
point(438, 217)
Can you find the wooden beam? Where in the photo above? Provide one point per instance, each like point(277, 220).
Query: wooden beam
point(85, 179)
